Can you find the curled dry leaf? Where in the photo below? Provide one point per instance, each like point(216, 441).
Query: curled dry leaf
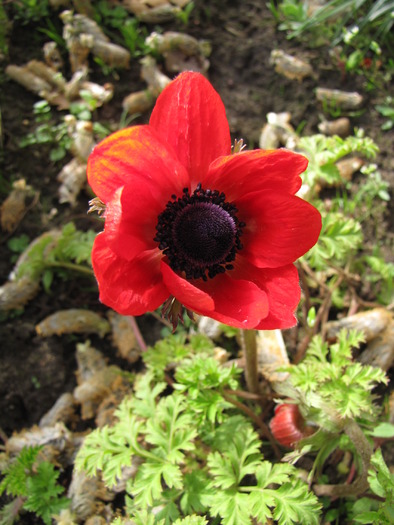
point(91, 393)
point(27, 79)
point(51, 237)
point(73, 321)
point(181, 52)
point(128, 473)
point(81, 134)
point(289, 66)
point(52, 56)
point(111, 54)
point(371, 322)
point(380, 350)
point(378, 328)
point(139, 102)
point(73, 179)
point(23, 286)
point(118, 389)
point(57, 436)
point(142, 101)
point(14, 207)
point(271, 355)
point(96, 520)
point(347, 167)
point(15, 294)
point(155, 11)
point(152, 75)
point(340, 127)
point(278, 132)
point(209, 327)
point(96, 381)
point(83, 35)
point(89, 361)
point(74, 85)
point(87, 495)
point(50, 75)
point(123, 337)
point(62, 411)
point(101, 94)
point(341, 99)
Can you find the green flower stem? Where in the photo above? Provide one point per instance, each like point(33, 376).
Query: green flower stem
point(71, 266)
point(360, 485)
point(249, 346)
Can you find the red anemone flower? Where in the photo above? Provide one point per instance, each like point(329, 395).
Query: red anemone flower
point(188, 223)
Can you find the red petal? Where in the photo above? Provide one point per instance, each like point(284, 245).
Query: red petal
point(236, 302)
point(282, 288)
point(185, 292)
point(279, 228)
point(132, 213)
point(250, 171)
point(190, 116)
point(134, 155)
point(130, 288)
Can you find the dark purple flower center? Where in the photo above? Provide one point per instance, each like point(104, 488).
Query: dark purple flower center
point(199, 233)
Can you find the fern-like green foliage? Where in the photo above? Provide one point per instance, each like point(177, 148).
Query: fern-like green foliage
point(196, 458)
point(56, 251)
point(174, 349)
point(323, 152)
point(340, 238)
point(331, 386)
point(204, 381)
point(378, 511)
point(275, 492)
point(35, 483)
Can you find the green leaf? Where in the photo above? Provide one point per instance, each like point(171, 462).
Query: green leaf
point(340, 237)
point(238, 458)
point(148, 487)
point(294, 504)
point(191, 520)
point(383, 430)
point(47, 279)
point(109, 450)
point(195, 490)
point(232, 506)
point(171, 430)
point(17, 471)
point(43, 493)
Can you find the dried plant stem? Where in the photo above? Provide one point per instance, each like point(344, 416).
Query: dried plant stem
point(360, 485)
point(249, 347)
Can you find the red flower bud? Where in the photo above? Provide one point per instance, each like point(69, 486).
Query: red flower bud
point(288, 425)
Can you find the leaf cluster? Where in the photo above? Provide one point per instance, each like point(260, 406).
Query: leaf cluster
point(47, 132)
point(173, 349)
point(340, 238)
point(34, 482)
point(196, 459)
point(56, 251)
point(379, 511)
point(331, 387)
point(323, 152)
